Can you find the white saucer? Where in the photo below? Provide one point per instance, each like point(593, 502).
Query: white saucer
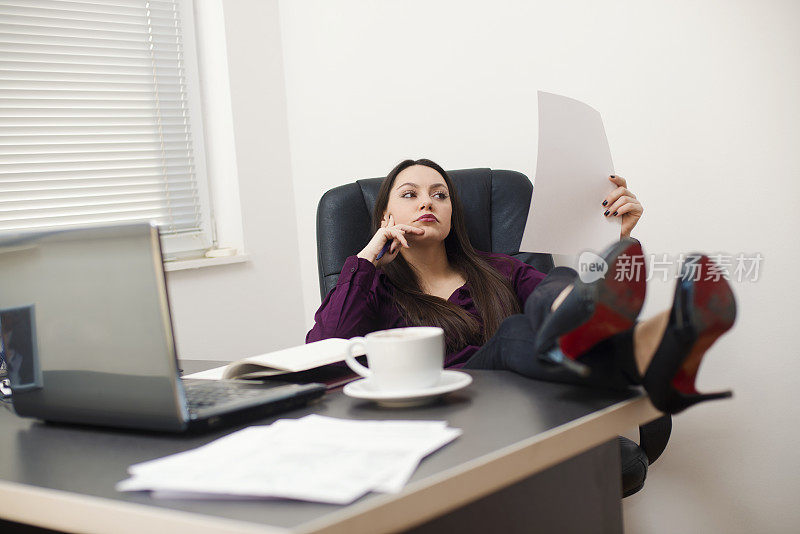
point(448, 381)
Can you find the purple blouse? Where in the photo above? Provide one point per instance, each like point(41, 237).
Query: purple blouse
point(362, 301)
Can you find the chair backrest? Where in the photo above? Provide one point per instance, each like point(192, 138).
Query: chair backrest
point(495, 206)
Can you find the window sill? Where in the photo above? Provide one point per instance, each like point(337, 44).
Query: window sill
point(199, 263)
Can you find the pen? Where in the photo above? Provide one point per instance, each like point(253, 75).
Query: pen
point(383, 251)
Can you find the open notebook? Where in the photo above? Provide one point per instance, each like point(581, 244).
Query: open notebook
point(292, 360)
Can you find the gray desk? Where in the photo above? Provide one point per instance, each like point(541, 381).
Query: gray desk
point(534, 456)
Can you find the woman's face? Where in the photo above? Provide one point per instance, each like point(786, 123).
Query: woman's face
point(420, 197)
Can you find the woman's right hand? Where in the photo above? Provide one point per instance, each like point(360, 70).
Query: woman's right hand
point(388, 232)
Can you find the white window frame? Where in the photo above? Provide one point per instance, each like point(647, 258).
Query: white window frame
point(221, 163)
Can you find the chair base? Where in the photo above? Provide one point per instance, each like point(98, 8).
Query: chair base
point(634, 466)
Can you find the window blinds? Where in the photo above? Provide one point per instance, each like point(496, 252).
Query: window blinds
point(95, 122)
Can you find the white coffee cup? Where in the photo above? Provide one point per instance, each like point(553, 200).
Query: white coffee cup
point(401, 358)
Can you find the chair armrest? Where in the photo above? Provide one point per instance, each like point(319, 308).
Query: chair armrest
point(542, 262)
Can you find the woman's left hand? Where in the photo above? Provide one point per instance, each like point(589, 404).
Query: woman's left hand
point(622, 203)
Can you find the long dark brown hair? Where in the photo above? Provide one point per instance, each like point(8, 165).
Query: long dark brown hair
point(492, 293)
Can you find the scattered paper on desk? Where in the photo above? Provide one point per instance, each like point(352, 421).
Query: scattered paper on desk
point(315, 458)
point(572, 170)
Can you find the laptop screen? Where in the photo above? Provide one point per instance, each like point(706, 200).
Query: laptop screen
point(86, 330)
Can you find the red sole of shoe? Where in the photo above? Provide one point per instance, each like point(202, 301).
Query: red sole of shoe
point(603, 324)
point(619, 303)
point(714, 312)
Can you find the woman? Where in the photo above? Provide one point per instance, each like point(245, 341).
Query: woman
point(420, 269)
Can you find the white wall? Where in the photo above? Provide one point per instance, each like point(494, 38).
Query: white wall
point(232, 311)
point(700, 103)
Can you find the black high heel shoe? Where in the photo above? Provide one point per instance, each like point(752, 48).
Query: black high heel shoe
point(594, 311)
point(704, 308)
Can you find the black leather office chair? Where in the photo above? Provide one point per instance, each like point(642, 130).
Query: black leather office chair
point(496, 207)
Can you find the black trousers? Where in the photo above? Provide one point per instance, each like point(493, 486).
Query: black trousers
point(512, 347)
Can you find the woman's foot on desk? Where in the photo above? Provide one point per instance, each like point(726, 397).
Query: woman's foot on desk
point(671, 345)
point(585, 314)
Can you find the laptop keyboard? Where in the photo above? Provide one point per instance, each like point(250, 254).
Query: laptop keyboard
point(202, 395)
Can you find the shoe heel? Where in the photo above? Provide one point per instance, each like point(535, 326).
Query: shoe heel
point(685, 377)
point(555, 358)
point(678, 402)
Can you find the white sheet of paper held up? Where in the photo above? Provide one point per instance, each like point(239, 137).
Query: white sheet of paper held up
point(572, 170)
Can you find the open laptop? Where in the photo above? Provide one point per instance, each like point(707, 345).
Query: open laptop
point(86, 337)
